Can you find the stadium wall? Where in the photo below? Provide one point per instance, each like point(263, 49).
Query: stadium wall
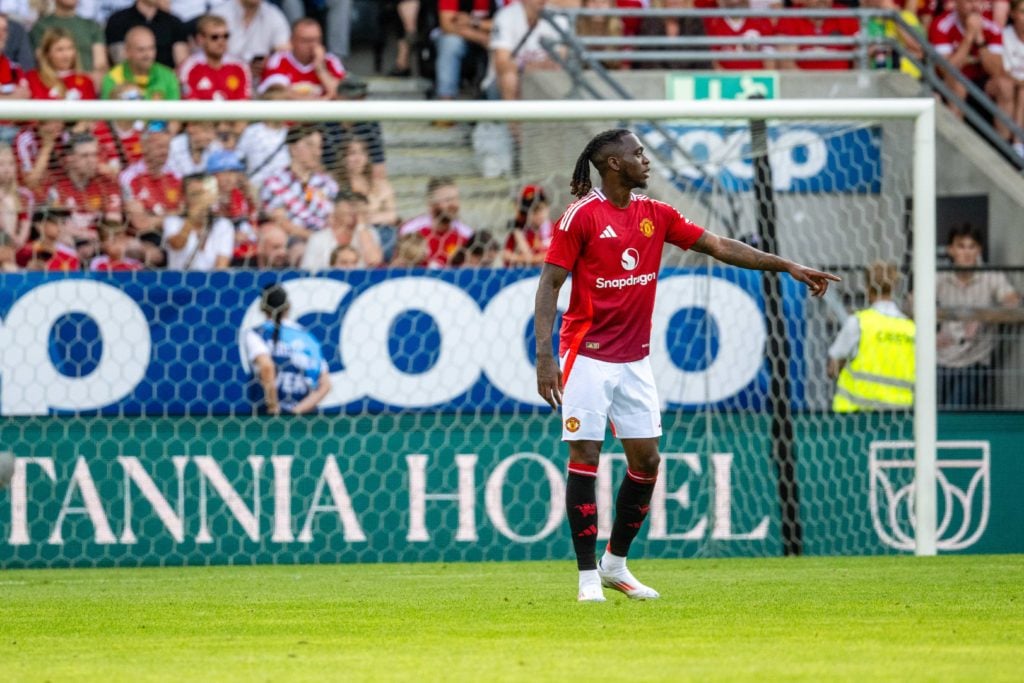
point(437, 487)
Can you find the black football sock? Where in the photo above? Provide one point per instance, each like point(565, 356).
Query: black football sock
point(581, 509)
point(631, 506)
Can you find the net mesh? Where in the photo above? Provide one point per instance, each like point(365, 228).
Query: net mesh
point(141, 435)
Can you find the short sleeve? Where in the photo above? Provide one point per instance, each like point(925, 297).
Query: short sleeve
point(255, 346)
point(568, 240)
point(682, 232)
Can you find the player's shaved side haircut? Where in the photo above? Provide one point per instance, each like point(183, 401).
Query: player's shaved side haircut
point(596, 152)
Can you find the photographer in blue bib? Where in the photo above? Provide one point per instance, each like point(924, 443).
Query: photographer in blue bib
point(872, 357)
point(286, 359)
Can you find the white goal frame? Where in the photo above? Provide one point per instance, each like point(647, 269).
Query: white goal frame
point(919, 110)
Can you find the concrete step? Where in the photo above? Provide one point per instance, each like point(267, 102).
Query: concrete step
point(421, 134)
point(388, 88)
point(430, 161)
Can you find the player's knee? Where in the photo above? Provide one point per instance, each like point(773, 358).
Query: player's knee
point(585, 452)
point(648, 463)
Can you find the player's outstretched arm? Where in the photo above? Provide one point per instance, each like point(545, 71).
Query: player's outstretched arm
point(737, 253)
point(549, 377)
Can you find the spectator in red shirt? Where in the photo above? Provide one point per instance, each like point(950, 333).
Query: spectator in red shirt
point(440, 226)
point(57, 75)
point(465, 32)
point(52, 249)
point(89, 196)
point(11, 85)
point(307, 70)
point(800, 26)
point(120, 251)
point(39, 149)
point(151, 191)
point(974, 45)
point(126, 136)
point(671, 27)
point(739, 27)
point(210, 73)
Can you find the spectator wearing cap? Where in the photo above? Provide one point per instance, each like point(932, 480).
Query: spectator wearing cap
point(199, 240)
point(151, 190)
point(156, 81)
point(530, 231)
point(190, 150)
point(235, 199)
point(53, 249)
point(86, 33)
point(444, 232)
point(300, 198)
point(171, 43)
point(210, 73)
point(257, 28)
point(307, 69)
point(120, 252)
point(345, 230)
point(89, 195)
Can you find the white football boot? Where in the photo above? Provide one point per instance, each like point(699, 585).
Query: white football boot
point(614, 574)
point(590, 587)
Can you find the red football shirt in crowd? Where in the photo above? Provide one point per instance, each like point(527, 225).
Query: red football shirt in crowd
point(89, 202)
point(748, 27)
point(441, 246)
point(77, 86)
point(200, 81)
point(946, 33)
point(614, 255)
point(62, 257)
point(159, 194)
point(283, 68)
point(800, 26)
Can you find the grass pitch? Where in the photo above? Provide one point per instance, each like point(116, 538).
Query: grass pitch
point(895, 618)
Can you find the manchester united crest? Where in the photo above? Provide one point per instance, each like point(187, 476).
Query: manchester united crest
point(646, 227)
point(572, 424)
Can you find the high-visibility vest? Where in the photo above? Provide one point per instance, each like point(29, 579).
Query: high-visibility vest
point(881, 376)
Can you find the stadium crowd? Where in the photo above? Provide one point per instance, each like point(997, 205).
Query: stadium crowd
point(130, 195)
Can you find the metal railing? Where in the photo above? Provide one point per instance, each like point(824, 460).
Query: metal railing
point(593, 53)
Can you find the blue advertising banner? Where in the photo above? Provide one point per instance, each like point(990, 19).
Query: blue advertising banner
point(170, 343)
point(805, 158)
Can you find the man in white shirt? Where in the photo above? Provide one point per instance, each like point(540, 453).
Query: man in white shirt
point(197, 241)
point(516, 46)
point(257, 28)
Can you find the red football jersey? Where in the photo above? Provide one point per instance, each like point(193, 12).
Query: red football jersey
point(748, 27)
point(441, 246)
point(830, 27)
point(946, 33)
point(77, 86)
point(283, 68)
point(88, 203)
point(200, 81)
point(159, 194)
point(614, 255)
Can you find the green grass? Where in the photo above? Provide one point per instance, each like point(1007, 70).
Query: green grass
point(895, 618)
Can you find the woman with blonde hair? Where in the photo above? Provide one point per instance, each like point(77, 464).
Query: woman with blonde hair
point(15, 201)
point(58, 75)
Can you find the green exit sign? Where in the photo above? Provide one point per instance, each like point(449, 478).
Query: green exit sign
point(740, 86)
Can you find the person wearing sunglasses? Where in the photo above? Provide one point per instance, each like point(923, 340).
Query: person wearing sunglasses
point(210, 73)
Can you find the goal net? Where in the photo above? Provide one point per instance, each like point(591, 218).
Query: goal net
point(141, 432)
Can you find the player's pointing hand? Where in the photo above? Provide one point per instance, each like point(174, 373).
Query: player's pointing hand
point(816, 280)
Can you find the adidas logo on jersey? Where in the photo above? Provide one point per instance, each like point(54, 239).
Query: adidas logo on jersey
point(608, 232)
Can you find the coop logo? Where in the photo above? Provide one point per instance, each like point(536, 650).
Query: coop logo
point(623, 282)
point(132, 368)
point(964, 494)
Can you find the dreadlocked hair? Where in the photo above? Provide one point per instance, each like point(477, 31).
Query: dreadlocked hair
point(275, 303)
point(581, 184)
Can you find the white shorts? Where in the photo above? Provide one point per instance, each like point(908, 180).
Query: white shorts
point(597, 390)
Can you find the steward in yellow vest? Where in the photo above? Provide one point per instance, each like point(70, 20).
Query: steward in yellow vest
point(880, 374)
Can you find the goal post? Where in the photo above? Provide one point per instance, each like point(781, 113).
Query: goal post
point(395, 401)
